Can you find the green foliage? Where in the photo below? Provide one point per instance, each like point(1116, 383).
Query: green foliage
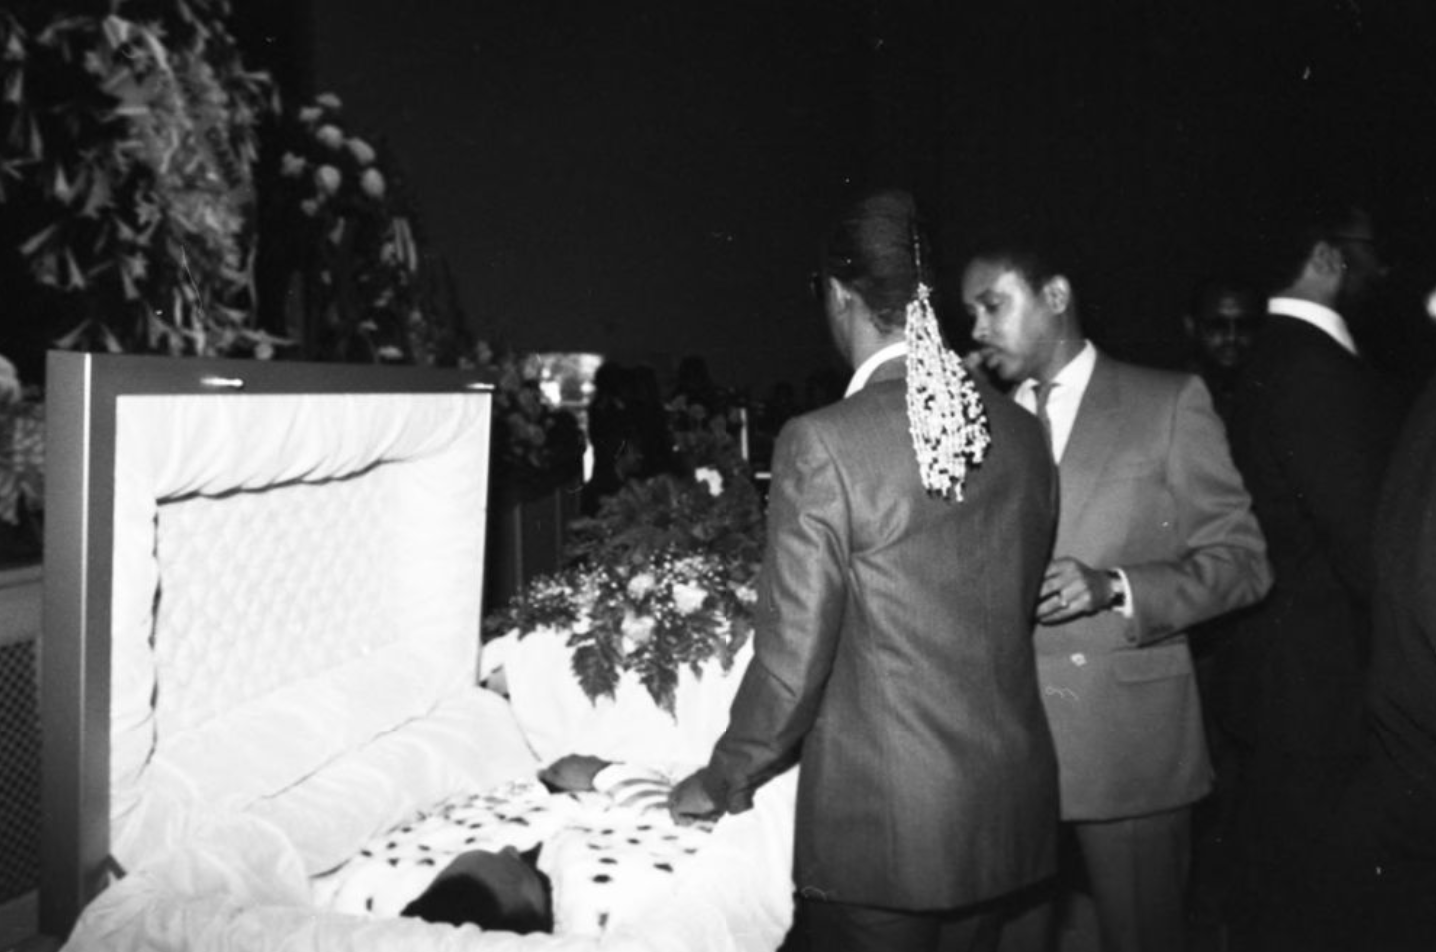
point(131, 145)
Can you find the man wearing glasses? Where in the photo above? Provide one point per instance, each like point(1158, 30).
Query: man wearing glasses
point(1312, 428)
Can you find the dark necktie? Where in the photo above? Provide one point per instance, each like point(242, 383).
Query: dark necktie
point(1040, 392)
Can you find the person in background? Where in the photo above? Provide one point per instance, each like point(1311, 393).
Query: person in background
point(613, 434)
point(1313, 427)
point(628, 430)
point(908, 526)
point(1221, 324)
point(1156, 534)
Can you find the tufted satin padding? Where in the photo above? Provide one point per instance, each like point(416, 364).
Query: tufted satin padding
point(295, 577)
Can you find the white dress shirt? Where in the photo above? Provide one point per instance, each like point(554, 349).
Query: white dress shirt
point(1067, 389)
point(866, 368)
point(1068, 386)
point(1317, 315)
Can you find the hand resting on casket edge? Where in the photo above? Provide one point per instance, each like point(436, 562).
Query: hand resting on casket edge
point(626, 785)
point(691, 802)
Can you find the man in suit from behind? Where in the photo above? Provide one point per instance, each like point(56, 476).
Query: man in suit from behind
point(1312, 431)
point(1373, 872)
point(1155, 534)
point(908, 527)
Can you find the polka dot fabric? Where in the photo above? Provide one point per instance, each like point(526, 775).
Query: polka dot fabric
point(608, 860)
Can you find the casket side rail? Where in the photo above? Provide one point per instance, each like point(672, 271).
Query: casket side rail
point(83, 391)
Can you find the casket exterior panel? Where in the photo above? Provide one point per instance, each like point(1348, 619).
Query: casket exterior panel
point(265, 573)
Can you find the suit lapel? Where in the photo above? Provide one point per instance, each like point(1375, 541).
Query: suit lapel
point(1095, 429)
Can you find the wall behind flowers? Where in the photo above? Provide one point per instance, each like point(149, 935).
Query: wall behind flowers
point(639, 179)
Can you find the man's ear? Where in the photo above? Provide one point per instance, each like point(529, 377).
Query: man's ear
point(1326, 260)
point(1057, 294)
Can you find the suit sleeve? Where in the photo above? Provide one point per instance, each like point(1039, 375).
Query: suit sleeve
point(802, 591)
point(1222, 565)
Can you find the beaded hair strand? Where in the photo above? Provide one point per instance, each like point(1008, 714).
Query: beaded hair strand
point(946, 416)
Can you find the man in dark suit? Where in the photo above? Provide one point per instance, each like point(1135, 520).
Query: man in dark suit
point(893, 654)
point(1155, 535)
point(1312, 430)
point(1373, 873)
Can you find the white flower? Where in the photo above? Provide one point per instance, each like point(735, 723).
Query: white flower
point(637, 630)
point(710, 477)
point(363, 151)
point(328, 178)
point(641, 584)
point(372, 183)
point(309, 207)
point(330, 135)
point(293, 165)
point(309, 115)
point(389, 352)
point(9, 382)
point(688, 598)
point(747, 594)
point(329, 101)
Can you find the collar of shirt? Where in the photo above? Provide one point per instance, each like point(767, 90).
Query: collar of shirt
point(1068, 387)
point(1317, 315)
point(865, 370)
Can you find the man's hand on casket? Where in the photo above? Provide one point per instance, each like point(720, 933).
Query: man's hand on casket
point(574, 772)
point(691, 801)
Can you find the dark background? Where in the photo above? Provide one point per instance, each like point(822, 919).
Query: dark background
point(650, 178)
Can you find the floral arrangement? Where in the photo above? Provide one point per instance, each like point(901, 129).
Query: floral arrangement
point(22, 448)
point(363, 290)
point(662, 576)
point(677, 609)
point(129, 148)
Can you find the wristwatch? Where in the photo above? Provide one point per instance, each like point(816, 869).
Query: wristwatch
point(1119, 590)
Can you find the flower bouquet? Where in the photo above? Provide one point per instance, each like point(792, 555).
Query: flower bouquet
point(363, 288)
point(662, 577)
point(679, 609)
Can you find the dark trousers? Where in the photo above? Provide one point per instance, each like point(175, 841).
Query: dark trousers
point(1368, 882)
point(1136, 871)
point(1287, 804)
point(823, 926)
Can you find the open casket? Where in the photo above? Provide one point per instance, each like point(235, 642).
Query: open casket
point(261, 656)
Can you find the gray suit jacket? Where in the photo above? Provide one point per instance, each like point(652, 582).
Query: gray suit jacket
point(1148, 486)
point(893, 653)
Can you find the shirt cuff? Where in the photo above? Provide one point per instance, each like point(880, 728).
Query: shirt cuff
point(1125, 608)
